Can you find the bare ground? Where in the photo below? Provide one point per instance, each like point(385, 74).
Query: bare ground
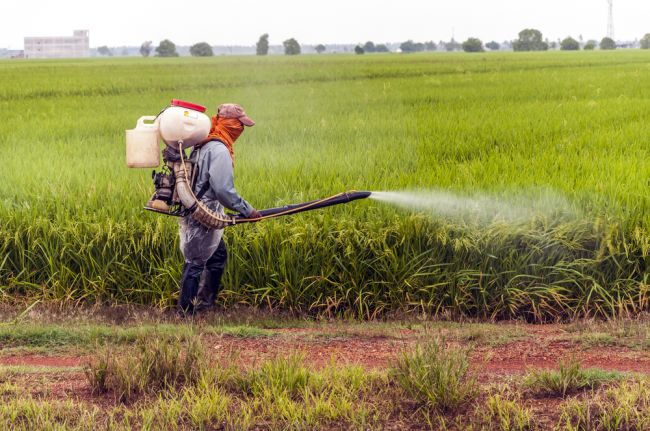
point(540, 347)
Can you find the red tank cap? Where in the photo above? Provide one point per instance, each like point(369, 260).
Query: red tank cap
point(188, 105)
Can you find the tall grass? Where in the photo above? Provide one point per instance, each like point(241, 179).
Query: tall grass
point(72, 228)
point(158, 364)
point(436, 376)
point(568, 379)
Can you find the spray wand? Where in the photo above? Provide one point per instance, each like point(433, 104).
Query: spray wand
point(341, 198)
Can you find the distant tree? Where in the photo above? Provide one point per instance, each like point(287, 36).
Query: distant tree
point(104, 50)
point(291, 47)
point(430, 46)
point(369, 47)
point(167, 48)
point(590, 45)
point(607, 43)
point(410, 46)
point(262, 47)
point(493, 46)
point(201, 49)
point(358, 50)
point(473, 45)
point(570, 44)
point(125, 52)
point(320, 48)
point(645, 41)
point(452, 45)
point(529, 39)
point(553, 45)
point(381, 48)
point(145, 48)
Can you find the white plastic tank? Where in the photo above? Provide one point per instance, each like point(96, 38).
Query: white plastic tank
point(183, 121)
point(142, 148)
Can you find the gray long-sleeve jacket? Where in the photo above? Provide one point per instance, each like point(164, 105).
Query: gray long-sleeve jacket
point(215, 177)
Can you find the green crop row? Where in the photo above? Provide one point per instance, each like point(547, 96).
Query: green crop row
point(512, 127)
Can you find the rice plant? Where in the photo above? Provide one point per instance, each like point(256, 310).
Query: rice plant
point(516, 127)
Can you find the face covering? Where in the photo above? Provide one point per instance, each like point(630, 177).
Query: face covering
point(226, 130)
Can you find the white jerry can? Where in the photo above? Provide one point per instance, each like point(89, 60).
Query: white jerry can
point(182, 124)
point(142, 148)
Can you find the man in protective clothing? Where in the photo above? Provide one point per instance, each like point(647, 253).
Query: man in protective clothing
point(204, 250)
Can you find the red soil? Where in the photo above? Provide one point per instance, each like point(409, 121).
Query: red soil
point(541, 349)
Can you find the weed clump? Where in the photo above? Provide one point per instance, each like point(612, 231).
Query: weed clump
point(505, 413)
point(568, 379)
point(157, 364)
point(621, 407)
point(435, 376)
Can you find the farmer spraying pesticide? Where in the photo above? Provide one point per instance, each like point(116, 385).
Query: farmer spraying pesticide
point(203, 247)
point(198, 188)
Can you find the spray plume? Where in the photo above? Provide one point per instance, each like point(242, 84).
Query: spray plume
point(479, 208)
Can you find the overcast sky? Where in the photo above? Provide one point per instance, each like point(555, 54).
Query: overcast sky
point(240, 22)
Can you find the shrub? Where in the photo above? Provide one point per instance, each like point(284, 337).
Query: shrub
point(167, 48)
point(201, 49)
point(291, 47)
point(410, 46)
point(529, 39)
point(262, 47)
point(473, 45)
point(607, 43)
point(569, 44)
point(590, 45)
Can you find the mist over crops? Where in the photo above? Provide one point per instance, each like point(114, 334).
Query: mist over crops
point(553, 144)
point(480, 209)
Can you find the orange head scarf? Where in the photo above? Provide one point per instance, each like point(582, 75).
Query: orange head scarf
point(226, 130)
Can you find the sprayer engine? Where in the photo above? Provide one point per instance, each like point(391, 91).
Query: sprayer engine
point(183, 125)
point(165, 200)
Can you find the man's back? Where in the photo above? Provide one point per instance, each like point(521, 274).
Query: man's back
point(215, 177)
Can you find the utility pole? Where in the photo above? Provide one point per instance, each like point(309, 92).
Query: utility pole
point(610, 19)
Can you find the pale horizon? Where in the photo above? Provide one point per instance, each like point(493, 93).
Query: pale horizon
point(125, 23)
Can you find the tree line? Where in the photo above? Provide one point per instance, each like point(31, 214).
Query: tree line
point(528, 40)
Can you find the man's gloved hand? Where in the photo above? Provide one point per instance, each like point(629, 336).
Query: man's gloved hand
point(254, 214)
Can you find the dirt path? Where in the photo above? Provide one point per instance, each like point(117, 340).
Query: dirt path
point(540, 348)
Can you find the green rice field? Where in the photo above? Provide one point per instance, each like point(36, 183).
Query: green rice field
point(515, 127)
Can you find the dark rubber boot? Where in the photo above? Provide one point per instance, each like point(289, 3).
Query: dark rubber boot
point(189, 286)
point(211, 281)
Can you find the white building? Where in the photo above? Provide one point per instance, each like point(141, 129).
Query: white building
point(77, 45)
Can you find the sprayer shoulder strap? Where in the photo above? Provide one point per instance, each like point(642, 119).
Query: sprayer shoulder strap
point(195, 171)
point(195, 175)
point(203, 190)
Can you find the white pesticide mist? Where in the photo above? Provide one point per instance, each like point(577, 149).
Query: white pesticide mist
point(480, 208)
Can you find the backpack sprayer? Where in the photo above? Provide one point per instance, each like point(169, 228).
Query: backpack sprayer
point(183, 125)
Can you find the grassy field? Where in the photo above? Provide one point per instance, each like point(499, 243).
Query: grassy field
point(125, 368)
point(513, 126)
